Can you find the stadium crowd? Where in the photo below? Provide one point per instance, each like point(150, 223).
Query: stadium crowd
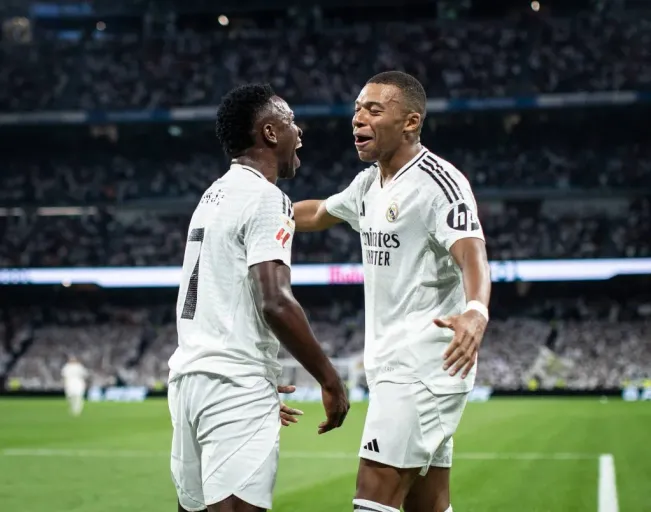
point(329, 63)
point(147, 239)
point(142, 196)
point(596, 348)
point(105, 175)
point(326, 64)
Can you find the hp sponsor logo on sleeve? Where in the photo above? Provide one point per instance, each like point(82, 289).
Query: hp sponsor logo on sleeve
point(462, 218)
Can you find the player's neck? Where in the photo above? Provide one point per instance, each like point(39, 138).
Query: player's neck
point(389, 167)
point(263, 166)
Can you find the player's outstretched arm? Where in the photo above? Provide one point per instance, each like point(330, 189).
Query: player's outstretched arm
point(312, 215)
point(469, 327)
point(287, 320)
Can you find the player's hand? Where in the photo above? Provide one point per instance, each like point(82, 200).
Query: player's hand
point(287, 414)
point(335, 403)
point(468, 329)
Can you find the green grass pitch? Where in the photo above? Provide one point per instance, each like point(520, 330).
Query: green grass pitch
point(513, 455)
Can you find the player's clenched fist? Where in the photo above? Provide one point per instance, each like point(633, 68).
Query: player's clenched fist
point(468, 330)
point(335, 403)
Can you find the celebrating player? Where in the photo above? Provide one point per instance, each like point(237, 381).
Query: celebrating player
point(427, 289)
point(235, 304)
point(74, 384)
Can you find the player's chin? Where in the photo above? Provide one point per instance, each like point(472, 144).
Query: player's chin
point(288, 173)
point(367, 156)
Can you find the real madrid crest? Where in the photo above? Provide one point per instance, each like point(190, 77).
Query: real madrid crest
point(392, 212)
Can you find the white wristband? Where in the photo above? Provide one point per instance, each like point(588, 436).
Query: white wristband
point(477, 306)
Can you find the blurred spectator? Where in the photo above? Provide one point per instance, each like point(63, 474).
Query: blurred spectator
point(133, 346)
point(110, 177)
point(330, 64)
point(140, 238)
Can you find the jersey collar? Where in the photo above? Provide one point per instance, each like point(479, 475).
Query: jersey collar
point(248, 169)
point(406, 167)
point(411, 163)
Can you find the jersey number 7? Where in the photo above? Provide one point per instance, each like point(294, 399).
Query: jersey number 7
point(190, 304)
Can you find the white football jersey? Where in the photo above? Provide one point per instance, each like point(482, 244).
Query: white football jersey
point(73, 374)
point(241, 220)
point(407, 229)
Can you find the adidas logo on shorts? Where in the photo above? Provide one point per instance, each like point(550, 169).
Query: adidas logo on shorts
point(372, 446)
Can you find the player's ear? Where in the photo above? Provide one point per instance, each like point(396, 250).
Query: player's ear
point(269, 133)
point(412, 122)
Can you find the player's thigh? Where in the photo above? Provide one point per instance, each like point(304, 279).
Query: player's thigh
point(185, 461)
point(233, 504)
point(440, 416)
point(431, 490)
point(237, 429)
point(405, 425)
point(429, 493)
point(384, 484)
point(74, 392)
point(392, 452)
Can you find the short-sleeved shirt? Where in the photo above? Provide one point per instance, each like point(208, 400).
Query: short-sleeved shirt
point(407, 228)
point(74, 374)
point(240, 221)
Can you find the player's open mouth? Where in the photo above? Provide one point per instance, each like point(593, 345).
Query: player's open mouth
point(362, 140)
point(297, 161)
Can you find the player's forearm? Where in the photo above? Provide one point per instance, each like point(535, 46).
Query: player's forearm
point(312, 215)
point(288, 322)
point(477, 280)
point(471, 257)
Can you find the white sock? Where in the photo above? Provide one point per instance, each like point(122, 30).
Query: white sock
point(371, 506)
point(449, 509)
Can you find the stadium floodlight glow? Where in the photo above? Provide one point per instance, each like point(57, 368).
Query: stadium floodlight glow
point(535, 6)
point(101, 26)
point(223, 20)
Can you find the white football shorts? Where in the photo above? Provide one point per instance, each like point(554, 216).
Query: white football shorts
point(409, 426)
point(75, 388)
point(225, 440)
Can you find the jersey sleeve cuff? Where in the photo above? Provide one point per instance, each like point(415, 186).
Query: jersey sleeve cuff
point(254, 260)
point(449, 242)
point(330, 208)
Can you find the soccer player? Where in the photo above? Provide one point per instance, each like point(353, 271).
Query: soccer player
point(235, 305)
point(74, 384)
point(427, 288)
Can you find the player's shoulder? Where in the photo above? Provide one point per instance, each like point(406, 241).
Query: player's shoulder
point(245, 185)
point(366, 177)
point(370, 173)
point(267, 198)
point(244, 178)
point(436, 177)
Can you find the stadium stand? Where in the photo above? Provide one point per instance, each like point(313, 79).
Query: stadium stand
point(110, 177)
point(584, 346)
point(587, 150)
point(328, 64)
point(552, 182)
point(143, 238)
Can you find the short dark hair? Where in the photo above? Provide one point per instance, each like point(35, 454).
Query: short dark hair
point(237, 114)
point(411, 88)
